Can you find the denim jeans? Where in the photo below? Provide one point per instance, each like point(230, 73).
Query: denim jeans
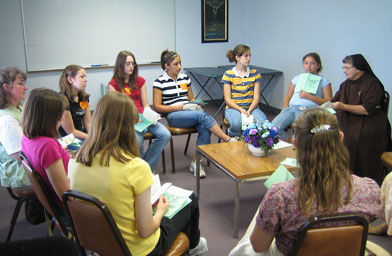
point(233, 116)
point(285, 118)
point(162, 136)
point(196, 118)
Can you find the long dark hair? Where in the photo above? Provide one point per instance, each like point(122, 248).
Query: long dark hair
point(119, 73)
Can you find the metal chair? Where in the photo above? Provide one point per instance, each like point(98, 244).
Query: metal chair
point(320, 236)
point(96, 230)
point(176, 131)
point(42, 192)
point(20, 197)
point(149, 136)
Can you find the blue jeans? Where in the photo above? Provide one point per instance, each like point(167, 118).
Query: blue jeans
point(233, 116)
point(285, 118)
point(196, 118)
point(162, 136)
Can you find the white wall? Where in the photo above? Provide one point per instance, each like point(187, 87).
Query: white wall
point(188, 45)
point(284, 31)
point(278, 32)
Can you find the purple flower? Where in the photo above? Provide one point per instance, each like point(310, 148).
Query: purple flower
point(253, 132)
point(269, 142)
point(246, 139)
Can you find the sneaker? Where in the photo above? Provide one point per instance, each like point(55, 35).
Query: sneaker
point(234, 139)
point(200, 249)
point(192, 168)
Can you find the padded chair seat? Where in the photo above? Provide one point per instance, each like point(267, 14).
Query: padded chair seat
point(179, 246)
point(23, 193)
point(181, 131)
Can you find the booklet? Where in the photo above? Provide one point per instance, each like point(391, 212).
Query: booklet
point(327, 106)
point(290, 162)
point(177, 197)
point(70, 142)
point(280, 174)
point(308, 82)
point(246, 121)
point(151, 115)
point(197, 101)
point(142, 124)
point(281, 144)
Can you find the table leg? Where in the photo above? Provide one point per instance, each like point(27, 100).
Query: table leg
point(198, 174)
point(236, 208)
point(265, 87)
point(202, 86)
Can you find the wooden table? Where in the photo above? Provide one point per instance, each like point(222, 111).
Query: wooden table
point(235, 160)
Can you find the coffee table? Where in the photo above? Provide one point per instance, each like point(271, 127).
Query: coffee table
point(235, 160)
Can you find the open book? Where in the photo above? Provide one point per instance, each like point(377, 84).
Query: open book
point(70, 142)
point(177, 197)
point(148, 118)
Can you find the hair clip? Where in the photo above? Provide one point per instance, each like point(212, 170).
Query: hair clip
point(320, 128)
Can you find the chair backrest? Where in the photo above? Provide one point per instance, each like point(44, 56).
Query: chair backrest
point(42, 191)
point(347, 236)
point(93, 224)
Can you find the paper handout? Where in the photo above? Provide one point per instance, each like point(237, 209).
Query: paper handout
point(246, 121)
point(327, 106)
point(151, 115)
point(290, 162)
point(280, 174)
point(308, 82)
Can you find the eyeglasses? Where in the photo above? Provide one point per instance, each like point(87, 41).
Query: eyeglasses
point(347, 68)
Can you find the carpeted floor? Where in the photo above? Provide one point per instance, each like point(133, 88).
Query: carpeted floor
point(216, 201)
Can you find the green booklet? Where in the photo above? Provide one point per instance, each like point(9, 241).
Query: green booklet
point(177, 197)
point(281, 174)
point(143, 124)
point(308, 82)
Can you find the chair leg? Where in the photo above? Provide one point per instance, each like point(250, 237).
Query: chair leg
point(163, 161)
point(187, 143)
point(15, 217)
point(172, 156)
point(219, 139)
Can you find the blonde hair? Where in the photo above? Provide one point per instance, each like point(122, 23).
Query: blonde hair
point(324, 162)
point(41, 113)
point(237, 51)
point(112, 132)
point(66, 87)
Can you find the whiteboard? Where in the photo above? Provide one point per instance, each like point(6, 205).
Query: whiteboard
point(92, 32)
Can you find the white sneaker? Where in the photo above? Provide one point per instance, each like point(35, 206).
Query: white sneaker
point(192, 168)
point(200, 249)
point(234, 139)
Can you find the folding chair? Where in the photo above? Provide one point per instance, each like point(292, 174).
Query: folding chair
point(20, 196)
point(96, 230)
point(42, 192)
point(347, 239)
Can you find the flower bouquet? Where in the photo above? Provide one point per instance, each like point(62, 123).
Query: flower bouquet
point(261, 136)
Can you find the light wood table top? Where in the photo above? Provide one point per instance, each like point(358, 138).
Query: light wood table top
point(236, 159)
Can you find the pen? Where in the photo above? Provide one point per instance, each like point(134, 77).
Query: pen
point(99, 65)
